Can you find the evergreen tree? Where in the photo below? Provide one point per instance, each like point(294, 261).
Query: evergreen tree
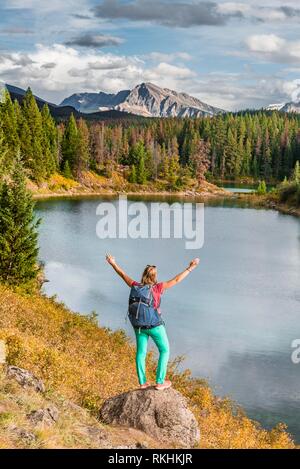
point(296, 173)
point(66, 171)
point(32, 138)
point(82, 155)
point(18, 231)
point(132, 175)
point(70, 143)
point(262, 188)
point(9, 125)
point(141, 172)
point(3, 155)
point(49, 142)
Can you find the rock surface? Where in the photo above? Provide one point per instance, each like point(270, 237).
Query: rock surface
point(25, 378)
point(162, 414)
point(23, 434)
point(48, 416)
point(146, 100)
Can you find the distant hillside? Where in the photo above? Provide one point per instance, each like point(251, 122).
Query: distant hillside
point(292, 107)
point(64, 112)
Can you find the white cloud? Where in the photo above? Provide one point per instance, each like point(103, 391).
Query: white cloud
point(273, 48)
point(46, 5)
point(90, 71)
point(171, 57)
point(271, 11)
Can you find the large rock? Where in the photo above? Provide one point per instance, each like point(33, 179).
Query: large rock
point(25, 378)
point(161, 414)
point(48, 416)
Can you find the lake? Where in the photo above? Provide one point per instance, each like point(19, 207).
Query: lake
point(234, 318)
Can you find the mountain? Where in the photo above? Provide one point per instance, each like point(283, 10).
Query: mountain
point(146, 100)
point(64, 111)
point(285, 107)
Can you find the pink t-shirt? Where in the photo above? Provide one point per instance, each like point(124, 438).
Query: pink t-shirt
point(157, 291)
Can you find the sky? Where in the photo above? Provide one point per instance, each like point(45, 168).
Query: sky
point(233, 55)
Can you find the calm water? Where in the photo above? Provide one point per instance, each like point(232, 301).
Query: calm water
point(234, 318)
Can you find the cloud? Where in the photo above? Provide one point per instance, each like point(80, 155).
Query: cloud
point(81, 17)
point(290, 12)
point(16, 30)
point(108, 63)
point(255, 11)
point(57, 71)
point(95, 40)
point(49, 65)
point(171, 57)
point(181, 14)
point(273, 48)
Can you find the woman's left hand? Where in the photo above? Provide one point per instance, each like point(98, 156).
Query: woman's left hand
point(194, 263)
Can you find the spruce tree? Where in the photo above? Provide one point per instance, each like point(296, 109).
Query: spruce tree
point(296, 173)
point(132, 175)
point(262, 188)
point(141, 173)
point(70, 143)
point(49, 141)
point(82, 156)
point(9, 126)
point(66, 171)
point(18, 231)
point(3, 155)
point(34, 156)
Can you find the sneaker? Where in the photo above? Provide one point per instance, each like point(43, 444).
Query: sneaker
point(166, 385)
point(145, 386)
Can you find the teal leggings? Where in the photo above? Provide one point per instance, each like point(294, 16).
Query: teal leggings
point(160, 338)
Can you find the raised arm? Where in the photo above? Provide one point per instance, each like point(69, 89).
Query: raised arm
point(111, 260)
point(171, 283)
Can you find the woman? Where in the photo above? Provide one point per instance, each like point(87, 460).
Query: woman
point(145, 316)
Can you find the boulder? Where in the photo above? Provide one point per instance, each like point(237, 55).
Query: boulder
point(47, 416)
point(25, 378)
point(163, 415)
point(23, 434)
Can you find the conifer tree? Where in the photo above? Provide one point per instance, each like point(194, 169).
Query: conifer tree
point(141, 172)
point(50, 141)
point(132, 175)
point(296, 173)
point(66, 171)
point(70, 143)
point(18, 231)
point(262, 188)
point(33, 156)
point(82, 155)
point(3, 155)
point(9, 126)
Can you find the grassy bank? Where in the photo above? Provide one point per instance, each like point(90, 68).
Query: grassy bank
point(93, 184)
point(285, 198)
point(86, 364)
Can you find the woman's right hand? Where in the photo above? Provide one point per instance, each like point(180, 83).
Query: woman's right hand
point(110, 259)
point(194, 263)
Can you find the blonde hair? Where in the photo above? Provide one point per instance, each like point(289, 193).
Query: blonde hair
point(149, 276)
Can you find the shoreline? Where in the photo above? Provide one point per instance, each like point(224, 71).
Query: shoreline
point(210, 192)
point(269, 203)
point(142, 193)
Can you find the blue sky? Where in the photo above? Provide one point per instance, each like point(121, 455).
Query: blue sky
point(233, 55)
